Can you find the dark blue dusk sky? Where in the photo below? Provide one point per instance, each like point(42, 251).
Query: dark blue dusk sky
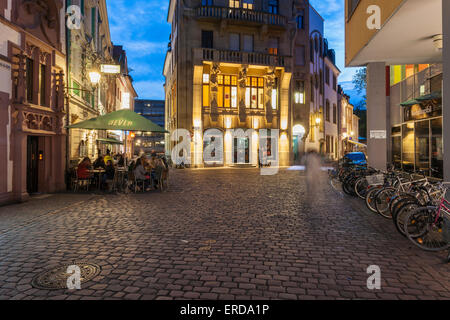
point(141, 27)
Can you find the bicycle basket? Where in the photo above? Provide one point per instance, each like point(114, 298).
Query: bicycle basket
point(375, 180)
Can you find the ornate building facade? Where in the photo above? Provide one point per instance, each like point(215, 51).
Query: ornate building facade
point(244, 65)
point(88, 46)
point(32, 112)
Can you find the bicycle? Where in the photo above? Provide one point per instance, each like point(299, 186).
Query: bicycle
point(429, 227)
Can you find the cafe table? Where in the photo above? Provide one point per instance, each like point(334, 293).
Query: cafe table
point(98, 173)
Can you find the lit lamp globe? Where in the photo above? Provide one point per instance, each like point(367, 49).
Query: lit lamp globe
point(94, 77)
point(318, 120)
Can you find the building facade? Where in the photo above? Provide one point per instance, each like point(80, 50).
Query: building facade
point(348, 138)
point(331, 74)
point(153, 110)
point(89, 48)
point(124, 97)
point(247, 65)
point(416, 118)
point(404, 102)
point(32, 112)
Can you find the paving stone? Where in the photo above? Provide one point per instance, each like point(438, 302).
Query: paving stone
point(216, 234)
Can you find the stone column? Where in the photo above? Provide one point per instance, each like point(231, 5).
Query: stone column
point(377, 117)
point(446, 87)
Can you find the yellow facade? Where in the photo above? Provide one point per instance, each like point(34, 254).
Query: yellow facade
point(357, 34)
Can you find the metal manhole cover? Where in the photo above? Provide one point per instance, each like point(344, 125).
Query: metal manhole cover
point(56, 278)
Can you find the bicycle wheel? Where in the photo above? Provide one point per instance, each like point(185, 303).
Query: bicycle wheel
point(361, 187)
point(426, 231)
point(371, 196)
point(398, 202)
point(399, 216)
point(382, 201)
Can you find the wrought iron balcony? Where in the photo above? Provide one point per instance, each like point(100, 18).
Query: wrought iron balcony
point(251, 58)
point(239, 14)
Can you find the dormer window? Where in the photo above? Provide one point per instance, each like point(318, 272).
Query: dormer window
point(274, 6)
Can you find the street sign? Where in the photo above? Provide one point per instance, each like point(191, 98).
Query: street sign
point(378, 134)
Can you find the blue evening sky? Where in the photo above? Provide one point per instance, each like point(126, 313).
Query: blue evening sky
point(141, 27)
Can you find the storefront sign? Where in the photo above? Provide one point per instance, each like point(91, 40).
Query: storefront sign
point(4, 65)
point(378, 134)
point(425, 110)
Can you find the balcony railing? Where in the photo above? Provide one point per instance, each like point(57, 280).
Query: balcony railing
point(252, 58)
point(239, 14)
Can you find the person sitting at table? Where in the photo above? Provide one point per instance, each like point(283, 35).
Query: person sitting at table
point(108, 176)
point(120, 161)
point(99, 163)
point(108, 156)
point(157, 173)
point(141, 174)
point(83, 169)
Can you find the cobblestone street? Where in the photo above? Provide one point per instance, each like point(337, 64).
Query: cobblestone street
point(217, 234)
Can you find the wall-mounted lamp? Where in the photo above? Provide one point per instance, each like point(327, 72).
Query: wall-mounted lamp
point(95, 77)
point(438, 41)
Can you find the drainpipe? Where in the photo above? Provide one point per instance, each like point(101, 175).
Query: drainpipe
point(67, 97)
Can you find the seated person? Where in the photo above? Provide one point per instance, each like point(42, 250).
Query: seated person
point(108, 156)
point(157, 173)
point(99, 163)
point(120, 161)
point(108, 177)
point(141, 174)
point(83, 169)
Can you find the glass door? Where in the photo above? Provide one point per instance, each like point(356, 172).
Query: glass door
point(422, 146)
point(437, 153)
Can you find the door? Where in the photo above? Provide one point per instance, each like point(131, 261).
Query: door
point(241, 152)
point(32, 164)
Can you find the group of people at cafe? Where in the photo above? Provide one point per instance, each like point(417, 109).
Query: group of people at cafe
point(105, 167)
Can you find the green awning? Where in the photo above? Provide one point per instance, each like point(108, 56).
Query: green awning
point(110, 141)
point(124, 120)
point(409, 103)
point(432, 96)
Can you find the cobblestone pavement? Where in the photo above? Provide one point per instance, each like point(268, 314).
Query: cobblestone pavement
point(217, 234)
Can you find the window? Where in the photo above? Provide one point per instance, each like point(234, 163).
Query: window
point(334, 82)
point(299, 22)
point(299, 95)
point(235, 40)
point(248, 4)
point(206, 101)
point(312, 88)
point(273, 6)
point(234, 4)
point(327, 75)
point(254, 93)
point(42, 84)
point(316, 44)
point(207, 2)
point(275, 96)
point(29, 79)
point(311, 50)
point(227, 91)
point(300, 55)
point(273, 46)
point(207, 39)
point(248, 43)
point(327, 111)
point(321, 81)
point(334, 114)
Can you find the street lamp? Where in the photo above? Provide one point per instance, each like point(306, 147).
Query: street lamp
point(318, 121)
point(95, 77)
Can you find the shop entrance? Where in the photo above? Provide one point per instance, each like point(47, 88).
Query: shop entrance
point(32, 164)
point(241, 151)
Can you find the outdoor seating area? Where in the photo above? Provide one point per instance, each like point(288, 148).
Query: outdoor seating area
point(115, 174)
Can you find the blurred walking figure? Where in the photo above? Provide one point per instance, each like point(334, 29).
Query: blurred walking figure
point(313, 170)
